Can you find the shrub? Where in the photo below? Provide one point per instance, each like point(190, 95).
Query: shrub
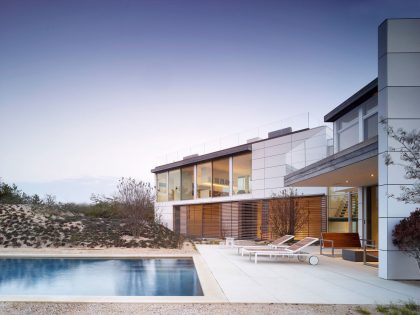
point(135, 203)
point(406, 235)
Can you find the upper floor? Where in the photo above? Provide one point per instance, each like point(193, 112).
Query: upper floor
point(356, 119)
point(253, 170)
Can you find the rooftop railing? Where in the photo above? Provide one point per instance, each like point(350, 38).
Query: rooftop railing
point(296, 122)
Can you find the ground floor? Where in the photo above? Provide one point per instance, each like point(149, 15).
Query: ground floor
point(252, 219)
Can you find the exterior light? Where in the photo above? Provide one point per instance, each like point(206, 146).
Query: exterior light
point(371, 175)
point(347, 181)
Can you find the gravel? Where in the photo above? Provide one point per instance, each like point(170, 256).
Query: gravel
point(176, 308)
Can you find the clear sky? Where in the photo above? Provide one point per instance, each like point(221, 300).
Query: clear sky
point(94, 90)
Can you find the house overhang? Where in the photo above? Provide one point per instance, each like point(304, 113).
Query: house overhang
point(355, 166)
point(353, 101)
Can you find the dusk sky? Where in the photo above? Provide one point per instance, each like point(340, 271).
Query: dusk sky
point(94, 90)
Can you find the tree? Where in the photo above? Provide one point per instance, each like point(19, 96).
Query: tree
point(50, 201)
point(287, 215)
point(135, 202)
point(409, 148)
point(36, 200)
point(12, 194)
point(406, 235)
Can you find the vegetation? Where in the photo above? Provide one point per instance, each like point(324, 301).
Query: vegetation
point(287, 216)
point(125, 219)
point(409, 149)
point(362, 310)
point(409, 308)
point(406, 234)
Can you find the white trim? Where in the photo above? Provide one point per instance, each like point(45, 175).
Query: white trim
point(231, 176)
point(195, 182)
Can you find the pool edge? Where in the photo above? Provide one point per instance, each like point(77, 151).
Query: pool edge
point(211, 289)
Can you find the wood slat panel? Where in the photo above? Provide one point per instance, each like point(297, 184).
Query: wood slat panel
point(244, 219)
point(211, 220)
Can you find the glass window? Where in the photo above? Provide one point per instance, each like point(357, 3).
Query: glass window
point(348, 137)
point(174, 184)
point(242, 167)
point(370, 106)
point(162, 186)
point(221, 177)
point(371, 126)
point(187, 183)
point(204, 180)
point(348, 119)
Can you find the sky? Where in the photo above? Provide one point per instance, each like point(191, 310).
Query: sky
point(91, 91)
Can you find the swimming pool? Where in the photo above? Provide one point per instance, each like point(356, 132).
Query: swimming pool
point(99, 277)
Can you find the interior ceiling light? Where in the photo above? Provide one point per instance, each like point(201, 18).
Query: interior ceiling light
point(347, 181)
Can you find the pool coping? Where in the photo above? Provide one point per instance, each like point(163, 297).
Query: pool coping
point(211, 289)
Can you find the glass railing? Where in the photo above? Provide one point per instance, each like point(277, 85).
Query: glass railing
point(296, 122)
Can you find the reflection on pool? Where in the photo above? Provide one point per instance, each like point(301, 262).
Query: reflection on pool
point(99, 277)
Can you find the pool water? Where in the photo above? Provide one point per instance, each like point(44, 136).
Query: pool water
point(99, 277)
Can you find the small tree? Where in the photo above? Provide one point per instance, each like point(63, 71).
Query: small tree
point(287, 215)
point(406, 235)
point(135, 202)
point(36, 200)
point(409, 148)
point(50, 201)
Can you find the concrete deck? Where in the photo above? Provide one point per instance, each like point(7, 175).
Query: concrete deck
point(332, 281)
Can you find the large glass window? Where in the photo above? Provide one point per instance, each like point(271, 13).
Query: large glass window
point(242, 167)
point(174, 184)
point(204, 180)
point(187, 184)
point(370, 118)
point(221, 177)
point(348, 137)
point(370, 126)
point(162, 186)
point(348, 129)
point(339, 210)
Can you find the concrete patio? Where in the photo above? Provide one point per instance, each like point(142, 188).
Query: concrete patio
point(332, 281)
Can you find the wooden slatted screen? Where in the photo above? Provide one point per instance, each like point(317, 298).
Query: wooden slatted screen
point(211, 220)
point(245, 219)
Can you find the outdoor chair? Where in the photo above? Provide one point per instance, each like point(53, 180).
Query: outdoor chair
point(294, 250)
point(277, 243)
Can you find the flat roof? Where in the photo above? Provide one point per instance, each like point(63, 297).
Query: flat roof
point(353, 101)
point(205, 157)
point(217, 154)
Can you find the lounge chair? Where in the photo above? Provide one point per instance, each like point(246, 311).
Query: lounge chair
point(294, 250)
point(277, 243)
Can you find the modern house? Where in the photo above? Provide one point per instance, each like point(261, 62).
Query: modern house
point(343, 184)
point(228, 192)
point(361, 141)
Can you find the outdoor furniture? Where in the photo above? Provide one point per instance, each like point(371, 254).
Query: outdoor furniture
point(339, 240)
point(273, 245)
point(356, 254)
point(294, 250)
point(230, 241)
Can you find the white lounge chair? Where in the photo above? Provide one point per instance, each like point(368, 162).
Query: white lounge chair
point(276, 244)
point(294, 250)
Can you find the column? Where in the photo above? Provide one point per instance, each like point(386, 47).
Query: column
point(399, 107)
